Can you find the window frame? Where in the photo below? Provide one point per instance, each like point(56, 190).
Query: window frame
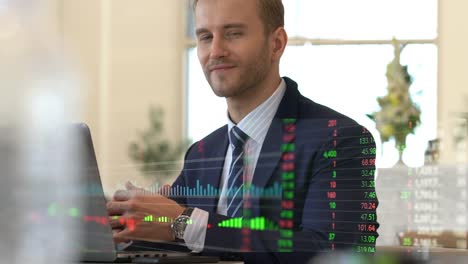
point(191, 43)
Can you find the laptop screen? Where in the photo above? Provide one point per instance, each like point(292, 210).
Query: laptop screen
point(95, 234)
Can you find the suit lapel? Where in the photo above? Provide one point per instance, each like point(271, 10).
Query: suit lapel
point(270, 155)
point(271, 152)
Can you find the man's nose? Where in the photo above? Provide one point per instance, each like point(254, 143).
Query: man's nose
point(218, 48)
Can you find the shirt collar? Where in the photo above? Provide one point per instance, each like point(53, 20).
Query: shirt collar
point(257, 122)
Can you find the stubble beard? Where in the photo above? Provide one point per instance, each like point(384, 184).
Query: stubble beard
point(250, 75)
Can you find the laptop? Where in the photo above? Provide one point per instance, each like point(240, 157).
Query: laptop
point(95, 235)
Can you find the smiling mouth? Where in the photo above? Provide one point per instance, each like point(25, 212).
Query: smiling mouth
point(221, 68)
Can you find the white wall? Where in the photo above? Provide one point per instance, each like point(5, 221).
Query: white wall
point(453, 72)
point(131, 56)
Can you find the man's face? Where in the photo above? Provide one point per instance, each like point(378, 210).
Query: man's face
point(232, 46)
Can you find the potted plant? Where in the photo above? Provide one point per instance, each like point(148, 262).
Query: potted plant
point(398, 115)
point(154, 154)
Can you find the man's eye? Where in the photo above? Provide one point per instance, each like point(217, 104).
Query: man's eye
point(204, 37)
point(234, 34)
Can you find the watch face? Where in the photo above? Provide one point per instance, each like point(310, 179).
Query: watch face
point(179, 225)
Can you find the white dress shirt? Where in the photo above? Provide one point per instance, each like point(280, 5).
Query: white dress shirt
point(255, 125)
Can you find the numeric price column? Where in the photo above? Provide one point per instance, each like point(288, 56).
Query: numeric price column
point(331, 194)
point(286, 224)
point(367, 227)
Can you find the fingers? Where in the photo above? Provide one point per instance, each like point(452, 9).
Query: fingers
point(117, 222)
point(117, 208)
point(128, 224)
point(138, 230)
point(135, 190)
point(126, 221)
point(129, 185)
point(129, 192)
point(122, 236)
point(122, 195)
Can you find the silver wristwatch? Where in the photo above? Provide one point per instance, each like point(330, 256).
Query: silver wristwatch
point(180, 223)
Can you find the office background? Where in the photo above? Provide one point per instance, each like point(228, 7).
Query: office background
point(134, 54)
point(118, 58)
point(107, 62)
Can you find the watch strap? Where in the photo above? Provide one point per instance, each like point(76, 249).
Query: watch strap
point(188, 211)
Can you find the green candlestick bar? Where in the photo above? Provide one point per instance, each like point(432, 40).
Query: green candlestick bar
point(161, 219)
point(257, 223)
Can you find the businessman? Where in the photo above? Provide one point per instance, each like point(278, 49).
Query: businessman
point(289, 177)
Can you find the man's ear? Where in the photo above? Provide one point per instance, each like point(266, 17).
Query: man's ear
point(279, 41)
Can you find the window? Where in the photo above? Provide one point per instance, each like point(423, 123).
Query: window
point(337, 53)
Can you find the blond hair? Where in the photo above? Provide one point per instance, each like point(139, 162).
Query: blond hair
point(271, 13)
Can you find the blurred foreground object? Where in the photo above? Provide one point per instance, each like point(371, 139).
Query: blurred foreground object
point(37, 94)
point(396, 255)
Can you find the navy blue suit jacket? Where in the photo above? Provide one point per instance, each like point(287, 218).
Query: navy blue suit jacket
point(333, 191)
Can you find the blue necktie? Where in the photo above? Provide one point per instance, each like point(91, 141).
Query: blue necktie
point(236, 173)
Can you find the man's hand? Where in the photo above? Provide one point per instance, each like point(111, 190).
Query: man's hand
point(137, 214)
